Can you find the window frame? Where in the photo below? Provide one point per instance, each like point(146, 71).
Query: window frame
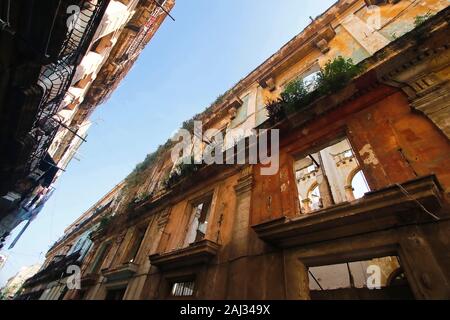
point(320, 144)
point(192, 205)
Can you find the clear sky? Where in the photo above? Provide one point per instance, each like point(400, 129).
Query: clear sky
point(189, 62)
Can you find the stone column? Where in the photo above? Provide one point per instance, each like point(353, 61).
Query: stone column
point(423, 269)
point(296, 277)
point(237, 272)
point(349, 193)
point(324, 185)
point(306, 205)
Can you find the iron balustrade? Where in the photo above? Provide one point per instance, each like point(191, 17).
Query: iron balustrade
point(56, 78)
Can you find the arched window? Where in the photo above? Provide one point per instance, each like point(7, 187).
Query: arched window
point(359, 185)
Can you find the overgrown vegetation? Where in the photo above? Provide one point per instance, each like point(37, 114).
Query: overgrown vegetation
point(181, 171)
point(335, 75)
point(138, 176)
point(419, 20)
point(104, 222)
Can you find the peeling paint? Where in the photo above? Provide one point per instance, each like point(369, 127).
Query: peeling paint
point(368, 155)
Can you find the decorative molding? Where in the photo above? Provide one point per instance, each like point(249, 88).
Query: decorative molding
point(323, 38)
point(89, 280)
point(268, 83)
point(200, 252)
point(390, 207)
point(245, 182)
point(122, 272)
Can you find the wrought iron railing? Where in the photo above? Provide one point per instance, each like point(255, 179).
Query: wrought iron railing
point(55, 78)
point(149, 26)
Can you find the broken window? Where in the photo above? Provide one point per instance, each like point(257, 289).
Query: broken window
point(183, 289)
point(198, 223)
point(329, 175)
point(378, 278)
point(359, 185)
point(309, 77)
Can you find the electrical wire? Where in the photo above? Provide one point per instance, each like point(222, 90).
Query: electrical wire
point(405, 192)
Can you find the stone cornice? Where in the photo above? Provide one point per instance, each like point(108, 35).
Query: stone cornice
point(121, 272)
point(200, 252)
point(390, 207)
point(307, 40)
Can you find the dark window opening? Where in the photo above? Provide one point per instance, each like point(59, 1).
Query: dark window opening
point(115, 294)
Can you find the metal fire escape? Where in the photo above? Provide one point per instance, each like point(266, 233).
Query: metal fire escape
point(56, 78)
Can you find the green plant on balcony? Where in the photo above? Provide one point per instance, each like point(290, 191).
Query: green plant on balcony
point(104, 222)
point(181, 171)
point(335, 75)
point(420, 19)
point(142, 196)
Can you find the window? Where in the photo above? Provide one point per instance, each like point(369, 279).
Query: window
point(102, 253)
point(242, 112)
point(198, 223)
point(182, 289)
point(136, 244)
point(378, 278)
point(328, 175)
point(308, 76)
point(316, 200)
point(115, 294)
point(359, 185)
point(310, 81)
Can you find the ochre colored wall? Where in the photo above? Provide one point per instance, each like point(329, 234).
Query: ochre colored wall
point(392, 142)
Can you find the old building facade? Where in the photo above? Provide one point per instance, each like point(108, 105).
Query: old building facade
point(55, 72)
point(360, 198)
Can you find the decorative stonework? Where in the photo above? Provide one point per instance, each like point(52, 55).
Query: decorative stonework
point(196, 253)
point(423, 77)
point(245, 181)
point(390, 207)
point(122, 272)
point(163, 219)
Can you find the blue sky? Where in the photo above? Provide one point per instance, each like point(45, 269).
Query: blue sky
point(184, 68)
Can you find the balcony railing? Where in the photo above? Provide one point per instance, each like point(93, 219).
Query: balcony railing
point(55, 78)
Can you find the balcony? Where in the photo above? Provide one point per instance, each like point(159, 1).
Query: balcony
point(122, 272)
point(200, 252)
point(413, 202)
